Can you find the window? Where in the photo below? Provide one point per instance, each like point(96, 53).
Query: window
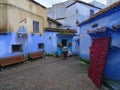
point(17, 48)
point(76, 11)
point(95, 25)
point(41, 45)
point(35, 26)
point(91, 12)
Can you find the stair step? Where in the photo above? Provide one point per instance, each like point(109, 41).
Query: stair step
point(110, 85)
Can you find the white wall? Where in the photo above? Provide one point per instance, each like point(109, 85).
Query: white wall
point(98, 4)
point(78, 11)
point(57, 10)
point(109, 2)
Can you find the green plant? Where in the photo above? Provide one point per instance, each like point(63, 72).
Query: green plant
point(74, 55)
point(49, 55)
point(85, 61)
point(57, 56)
point(66, 33)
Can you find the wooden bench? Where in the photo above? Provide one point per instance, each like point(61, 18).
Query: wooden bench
point(36, 55)
point(11, 60)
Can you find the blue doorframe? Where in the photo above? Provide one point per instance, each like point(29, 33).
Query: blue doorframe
point(64, 37)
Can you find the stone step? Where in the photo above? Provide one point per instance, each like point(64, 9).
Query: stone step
point(110, 85)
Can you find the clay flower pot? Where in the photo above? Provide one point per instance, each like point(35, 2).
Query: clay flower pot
point(60, 44)
point(70, 43)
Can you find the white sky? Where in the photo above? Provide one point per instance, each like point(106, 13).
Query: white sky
point(48, 3)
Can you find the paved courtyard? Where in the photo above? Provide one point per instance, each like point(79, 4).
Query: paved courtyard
point(47, 74)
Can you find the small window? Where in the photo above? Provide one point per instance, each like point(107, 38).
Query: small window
point(17, 48)
point(91, 12)
point(41, 45)
point(35, 26)
point(95, 25)
point(76, 11)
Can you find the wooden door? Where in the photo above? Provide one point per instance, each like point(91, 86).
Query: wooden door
point(98, 54)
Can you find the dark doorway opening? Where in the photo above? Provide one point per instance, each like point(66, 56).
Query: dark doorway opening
point(64, 42)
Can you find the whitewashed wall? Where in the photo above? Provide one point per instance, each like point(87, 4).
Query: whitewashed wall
point(77, 12)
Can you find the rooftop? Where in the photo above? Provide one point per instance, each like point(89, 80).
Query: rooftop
point(102, 11)
point(37, 3)
point(53, 20)
point(77, 1)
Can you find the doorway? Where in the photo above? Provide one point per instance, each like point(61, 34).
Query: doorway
point(64, 42)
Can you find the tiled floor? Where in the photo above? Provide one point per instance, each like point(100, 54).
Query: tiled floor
point(47, 74)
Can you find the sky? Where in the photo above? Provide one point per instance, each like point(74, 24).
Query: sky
point(48, 3)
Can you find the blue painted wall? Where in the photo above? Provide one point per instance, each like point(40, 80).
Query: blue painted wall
point(5, 45)
point(112, 67)
point(33, 41)
point(75, 45)
point(29, 44)
point(108, 19)
point(50, 40)
point(112, 62)
point(85, 43)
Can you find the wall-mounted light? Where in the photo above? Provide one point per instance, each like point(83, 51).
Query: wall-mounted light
point(19, 35)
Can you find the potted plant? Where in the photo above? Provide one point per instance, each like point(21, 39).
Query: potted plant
point(60, 44)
